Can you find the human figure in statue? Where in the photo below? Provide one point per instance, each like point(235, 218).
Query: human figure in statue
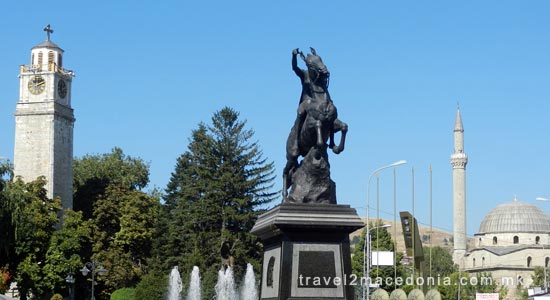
point(317, 117)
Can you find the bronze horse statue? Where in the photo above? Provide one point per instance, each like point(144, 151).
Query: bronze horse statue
point(317, 119)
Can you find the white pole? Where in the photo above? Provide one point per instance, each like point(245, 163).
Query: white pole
point(397, 163)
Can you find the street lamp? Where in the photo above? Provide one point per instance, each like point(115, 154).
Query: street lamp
point(93, 267)
point(367, 251)
point(71, 280)
point(375, 172)
point(545, 282)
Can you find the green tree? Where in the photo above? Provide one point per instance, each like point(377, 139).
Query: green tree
point(124, 223)
point(442, 262)
point(7, 235)
point(33, 220)
point(152, 286)
point(94, 173)
point(107, 188)
point(381, 240)
point(124, 294)
point(538, 277)
point(213, 199)
point(469, 286)
point(64, 253)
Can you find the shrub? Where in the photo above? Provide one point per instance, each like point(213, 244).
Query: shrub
point(123, 294)
point(151, 286)
point(56, 297)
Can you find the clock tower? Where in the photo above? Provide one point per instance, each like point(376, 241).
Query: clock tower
point(44, 121)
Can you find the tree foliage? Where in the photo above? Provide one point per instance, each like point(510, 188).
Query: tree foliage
point(442, 262)
point(32, 222)
point(107, 190)
point(123, 231)
point(94, 173)
point(152, 286)
point(213, 199)
point(381, 240)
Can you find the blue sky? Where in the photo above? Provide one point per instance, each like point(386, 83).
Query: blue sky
point(149, 71)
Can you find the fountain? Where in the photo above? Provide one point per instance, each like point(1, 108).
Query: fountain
point(225, 287)
point(174, 285)
point(248, 289)
point(194, 291)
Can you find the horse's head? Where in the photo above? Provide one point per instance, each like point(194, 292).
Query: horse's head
point(315, 66)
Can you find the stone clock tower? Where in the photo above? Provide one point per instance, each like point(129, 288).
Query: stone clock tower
point(44, 121)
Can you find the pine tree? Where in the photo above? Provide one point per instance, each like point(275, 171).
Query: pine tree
point(213, 199)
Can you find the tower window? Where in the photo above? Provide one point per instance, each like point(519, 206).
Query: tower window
point(32, 59)
point(546, 261)
point(537, 240)
point(495, 240)
point(479, 241)
point(528, 261)
point(516, 239)
point(473, 262)
point(482, 261)
point(39, 60)
point(50, 60)
point(59, 60)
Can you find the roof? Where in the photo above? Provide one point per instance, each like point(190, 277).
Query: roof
point(503, 250)
point(515, 216)
point(458, 122)
point(48, 44)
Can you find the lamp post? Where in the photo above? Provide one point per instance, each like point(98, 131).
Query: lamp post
point(70, 280)
point(368, 252)
point(93, 267)
point(545, 282)
point(375, 172)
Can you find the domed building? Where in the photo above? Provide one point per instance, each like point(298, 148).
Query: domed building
point(513, 238)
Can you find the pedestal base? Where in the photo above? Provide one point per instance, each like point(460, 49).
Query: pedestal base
point(307, 251)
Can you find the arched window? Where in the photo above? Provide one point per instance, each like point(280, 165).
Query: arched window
point(516, 239)
point(32, 59)
point(483, 261)
point(494, 240)
point(479, 241)
point(537, 240)
point(59, 60)
point(473, 262)
point(528, 261)
point(546, 261)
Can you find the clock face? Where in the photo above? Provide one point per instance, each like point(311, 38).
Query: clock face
point(61, 88)
point(37, 85)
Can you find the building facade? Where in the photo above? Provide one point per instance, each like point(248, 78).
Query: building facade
point(513, 238)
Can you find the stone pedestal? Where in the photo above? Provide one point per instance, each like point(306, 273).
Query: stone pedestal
point(307, 251)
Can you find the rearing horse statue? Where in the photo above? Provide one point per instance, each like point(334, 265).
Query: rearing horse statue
point(317, 119)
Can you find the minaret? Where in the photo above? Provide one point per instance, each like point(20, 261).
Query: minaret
point(459, 159)
point(44, 121)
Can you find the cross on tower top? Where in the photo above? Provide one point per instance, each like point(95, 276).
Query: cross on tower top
point(48, 31)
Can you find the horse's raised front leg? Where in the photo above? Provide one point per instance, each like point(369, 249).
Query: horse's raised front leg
point(320, 142)
point(343, 127)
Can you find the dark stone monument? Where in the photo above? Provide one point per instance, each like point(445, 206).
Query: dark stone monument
point(306, 238)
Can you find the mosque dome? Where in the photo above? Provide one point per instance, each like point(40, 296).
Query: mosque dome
point(515, 216)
